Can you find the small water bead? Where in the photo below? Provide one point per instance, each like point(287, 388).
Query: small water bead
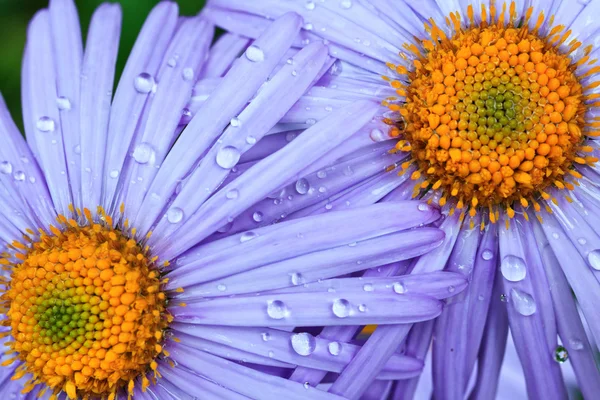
point(555, 235)
point(247, 236)
point(341, 308)
point(235, 122)
point(303, 343)
point(513, 268)
point(290, 136)
point(310, 5)
point(451, 289)
point(77, 149)
point(593, 258)
point(399, 288)
point(311, 121)
point(266, 336)
point(187, 74)
point(322, 174)
point(346, 4)
point(174, 215)
point(302, 186)
point(172, 62)
point(114, 173)
point(362, 308)
point(19, 176)
point(487, 255)
point(221, 287)
point(143, 153)
point(581, 241)
point(377, 135)
point(308, 26)
point(334, 348)
point(232, 194)
point(228, 157)
point(271, 354)
point(297, 278)
point(6, 167)
point(423, 207)
point(277, 309)
point(523, 302)
point(255, 54)
point(63, 103)
point(45, 124)
point(306, 385)
point(328, 206)
point(257, 216)
point(251, 140)
point(561, 354)
point(322, 189)
point(368, 287)
point(576, 344)
point(144, 83)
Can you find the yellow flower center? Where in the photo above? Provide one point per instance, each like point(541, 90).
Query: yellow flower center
point(493, 115)
point(85, 308)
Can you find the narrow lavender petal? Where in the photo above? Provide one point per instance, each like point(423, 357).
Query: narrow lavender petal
point(268, 175)
point(493, 345)
point(480, 293)
point(128, 103)
point(97, 79)
point(579, 275)
point(308, 235)
point(273, 344)
point(23, 184)
point(166, 389)
point(41, 109)
point(337, 261)
point(243, 380)
point(570, 328)
point(224, 104)
point(321, 309)
point(417, 345)
point(281, 92)
point(268, 145)
point(186, 54)
point(527, 313)
point(450, 348)
point(378, 390)
point(68, 47)
point(314, 188)
point(222, 54)
point(192, 384)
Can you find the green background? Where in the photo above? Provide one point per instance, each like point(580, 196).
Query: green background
point(15, 14)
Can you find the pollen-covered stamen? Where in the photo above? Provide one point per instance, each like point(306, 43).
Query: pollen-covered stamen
point(493, 115)
point(85, 307)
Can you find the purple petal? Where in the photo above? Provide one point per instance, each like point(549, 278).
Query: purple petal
point(97, 80)
point(222, 54)
point(320, 309)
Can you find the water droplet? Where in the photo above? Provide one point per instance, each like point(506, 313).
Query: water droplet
point(277, 309)
point(582, 241)
point(172, 62)
point(311, 121)
point(503, 298)
point(45, 124)
point(187, 74)
point(341, 308)
point(555, 235)
point(228, 157)
point(322, 174)
point(334, 348)
point(594, 259)
point(225, 228)
point(576, 344)
point(143, 153)
point(251, 140)
point(399, 288)
point(480, 297)
point(308, 26)
point(451, 289)
point(77, 149)
point(290, 136)
point(174, 215)
point(255, 54)
point(63, 103)
point(235, 122)
point(290, 61)
point(328, 206)
point(487, 255)
point(221, 287)
point(257, 216)
point(513, 268)
point(322, 189)
point(232, 194)
point(362, 308)
point(377, 135)
point(346, 4)
point(423, 207)
point(297, 279)
point(304, 343)
point(19, 176)
point(348, 170)
point(367, 287)
point(114, 173)
point(246, 236)
point(306, 385)
point(302, 186)
point(561, 354)
point(144, 83)
point(6, 167)
point(310, 5)
point(523, 302)
point(266, 336)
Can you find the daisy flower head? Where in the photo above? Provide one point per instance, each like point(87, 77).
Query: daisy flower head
point(122, 272)
point(491, 110)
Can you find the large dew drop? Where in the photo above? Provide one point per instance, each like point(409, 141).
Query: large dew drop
point(175, 215)
point(144, 83)
point(334, 348)
point(228, 157)
point(277, 309)
point(341, 308)
point(594, 259)
point(513, 268)
point(304, 343)
point(523, 302)
point(143, 153)
point(255, 54)
point(6, 167)
point(302, 186)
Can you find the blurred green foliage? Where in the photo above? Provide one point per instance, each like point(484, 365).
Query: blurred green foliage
point(15, 14)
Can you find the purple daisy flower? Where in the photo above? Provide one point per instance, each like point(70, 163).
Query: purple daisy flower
point(104, 303)
point(488, 109)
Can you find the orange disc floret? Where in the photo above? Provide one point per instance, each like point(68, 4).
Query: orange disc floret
point(86, 310)
point(495, 113)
